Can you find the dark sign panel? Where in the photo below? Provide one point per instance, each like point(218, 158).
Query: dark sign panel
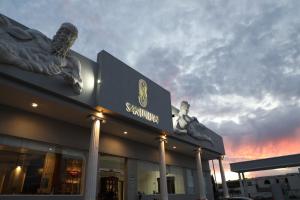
point(124, 91)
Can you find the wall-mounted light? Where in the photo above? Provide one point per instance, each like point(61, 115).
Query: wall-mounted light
point(34, 105)
point(174, 147)
point(125, 132)
point(98, 81)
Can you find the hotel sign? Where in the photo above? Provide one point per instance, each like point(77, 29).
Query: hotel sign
point(128, 93)
point(143, 100)
point(142, 113)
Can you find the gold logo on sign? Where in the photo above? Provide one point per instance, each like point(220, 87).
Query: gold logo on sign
point(143, 100)
point(143, 97)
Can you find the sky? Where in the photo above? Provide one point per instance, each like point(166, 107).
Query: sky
point(237, 62)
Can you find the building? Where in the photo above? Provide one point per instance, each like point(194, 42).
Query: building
point(73, 128)
point(263, 187)
point(269, 187)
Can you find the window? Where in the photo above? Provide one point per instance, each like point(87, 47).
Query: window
point(178, 180)
point(190, 181)
point(149, 179)
point(28, 167)
point(286, 180)
point(170, 184)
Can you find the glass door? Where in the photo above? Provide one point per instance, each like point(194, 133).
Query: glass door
point(111, 178)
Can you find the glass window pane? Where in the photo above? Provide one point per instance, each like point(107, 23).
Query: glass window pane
point(111, 177)
point(149, 179)
point(190, 182)
point(148, 173)
point(28, 167)
point(177, 173)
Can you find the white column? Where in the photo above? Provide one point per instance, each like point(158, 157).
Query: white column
point(245, 185)
point(92, 164)
point(241, 185)
point(201, 183)
point(224, 185)
point(162, 169)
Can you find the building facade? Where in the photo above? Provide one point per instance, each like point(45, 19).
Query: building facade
point(73, 128)
point(268, 187)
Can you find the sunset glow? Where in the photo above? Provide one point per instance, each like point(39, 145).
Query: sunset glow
point(250, 150)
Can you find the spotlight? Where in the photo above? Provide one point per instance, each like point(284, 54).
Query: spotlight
point(34, 105)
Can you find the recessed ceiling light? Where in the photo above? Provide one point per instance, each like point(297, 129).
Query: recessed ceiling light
point(125, 132)
point(34, 105)
point(174, 147)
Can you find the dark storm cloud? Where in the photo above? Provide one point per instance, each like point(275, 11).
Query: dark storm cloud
point(237, 62)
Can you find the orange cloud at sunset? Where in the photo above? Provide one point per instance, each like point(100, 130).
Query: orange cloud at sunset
point(249, 149)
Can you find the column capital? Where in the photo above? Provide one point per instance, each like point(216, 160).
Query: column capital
point(162, 138)
point(221, 157)
point(97, 116)
point(198, 149)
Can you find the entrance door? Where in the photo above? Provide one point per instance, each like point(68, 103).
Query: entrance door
point(111, 178)
point(109, 188)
